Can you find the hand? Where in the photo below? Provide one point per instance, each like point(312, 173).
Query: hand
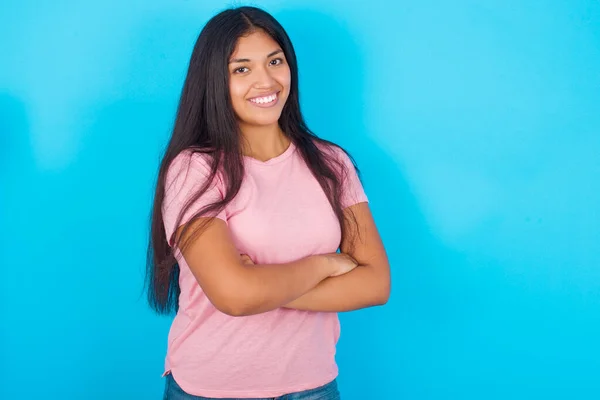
point(246, 260)
point(343, 263)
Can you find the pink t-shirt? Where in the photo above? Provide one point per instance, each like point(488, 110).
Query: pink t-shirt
point(280, 215)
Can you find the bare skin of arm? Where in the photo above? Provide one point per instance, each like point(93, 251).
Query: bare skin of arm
point(238, 289)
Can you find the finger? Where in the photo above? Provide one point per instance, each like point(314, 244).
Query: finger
point(247, 259)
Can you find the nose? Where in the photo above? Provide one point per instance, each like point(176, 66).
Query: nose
point(263, 78)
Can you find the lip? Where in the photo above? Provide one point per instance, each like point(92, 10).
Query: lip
point(266, 105)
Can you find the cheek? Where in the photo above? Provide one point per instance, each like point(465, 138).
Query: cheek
point(285, 78)
point(237, 92)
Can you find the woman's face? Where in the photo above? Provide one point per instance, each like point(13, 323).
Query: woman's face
point(259, 80)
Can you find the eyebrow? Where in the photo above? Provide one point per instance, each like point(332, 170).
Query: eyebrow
point(241, 60)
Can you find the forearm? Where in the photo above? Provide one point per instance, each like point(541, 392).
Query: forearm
point(268, 286)
point(363, 287)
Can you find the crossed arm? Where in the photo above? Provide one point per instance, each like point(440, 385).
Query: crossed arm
point(306, 284)
point(365, 286)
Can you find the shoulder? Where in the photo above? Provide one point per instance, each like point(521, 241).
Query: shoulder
point(198, 160)
point(336, 153)
point(195, 163)
point(191, 169)
point(345, 169)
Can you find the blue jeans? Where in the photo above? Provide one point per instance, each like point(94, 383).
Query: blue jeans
point(327, 392)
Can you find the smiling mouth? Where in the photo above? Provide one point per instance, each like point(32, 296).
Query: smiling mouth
point(265, 101)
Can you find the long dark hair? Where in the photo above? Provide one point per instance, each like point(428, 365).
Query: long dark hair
point(206, 123)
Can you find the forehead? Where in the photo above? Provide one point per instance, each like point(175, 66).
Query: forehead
point(255, 45)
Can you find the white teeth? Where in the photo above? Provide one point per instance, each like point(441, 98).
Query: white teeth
point(263, 100)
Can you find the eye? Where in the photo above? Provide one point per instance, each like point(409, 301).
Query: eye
point(276, 61)
point(240, 70)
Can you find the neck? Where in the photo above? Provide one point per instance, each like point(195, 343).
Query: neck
point(263, 142)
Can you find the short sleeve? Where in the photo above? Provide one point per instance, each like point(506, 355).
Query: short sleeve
point(186, 175)
point(352, 188)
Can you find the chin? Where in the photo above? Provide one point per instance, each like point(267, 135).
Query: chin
point(263, 121)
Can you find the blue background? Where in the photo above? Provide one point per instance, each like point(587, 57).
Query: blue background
point(476, 125)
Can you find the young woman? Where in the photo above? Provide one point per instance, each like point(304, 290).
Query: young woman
point(250, 210)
